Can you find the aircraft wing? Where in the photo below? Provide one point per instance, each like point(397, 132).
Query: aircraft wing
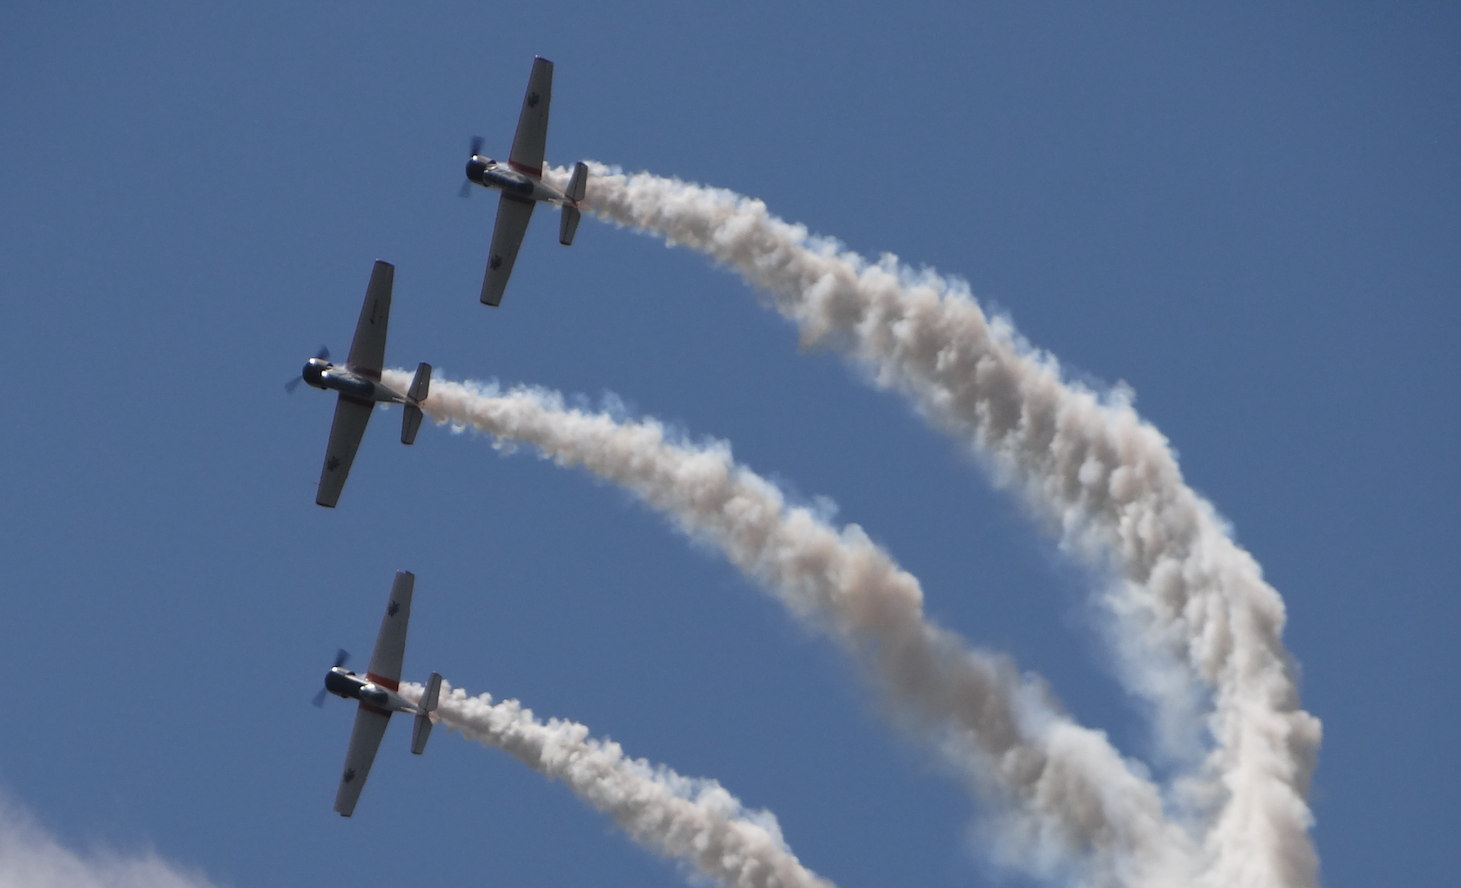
point(370, 726)
point(513, 214)
point(368, 348)
point(531, 138)
point(390, 642)
point(351, 415)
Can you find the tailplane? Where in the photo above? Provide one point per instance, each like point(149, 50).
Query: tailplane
point(420, 387)
point(421, 730)
point(579, 183)
point(576, 188)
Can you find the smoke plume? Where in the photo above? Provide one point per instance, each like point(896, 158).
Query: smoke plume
point(31, 858)
point(694, 821)
point(1199, 631)
point(1071, 802)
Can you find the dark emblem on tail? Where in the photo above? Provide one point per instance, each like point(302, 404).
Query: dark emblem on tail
point(496, 262)
point(332, 463)
point(349, 774)
point(532, 100)
point(391, 611)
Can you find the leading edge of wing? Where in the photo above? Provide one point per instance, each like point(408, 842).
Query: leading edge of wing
point(390, 641)
point(368, 348)
point(346, 431)
point(513, 215)
point(365, 736)
point(530, 140)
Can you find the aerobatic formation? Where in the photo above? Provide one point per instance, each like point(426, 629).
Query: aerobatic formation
point(1198, 630)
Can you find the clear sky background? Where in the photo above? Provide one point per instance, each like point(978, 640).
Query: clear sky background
point(1249, 215)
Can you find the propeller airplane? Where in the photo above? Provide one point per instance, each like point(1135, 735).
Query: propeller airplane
point(521, 182)
point(377, 693)
point(360, 388)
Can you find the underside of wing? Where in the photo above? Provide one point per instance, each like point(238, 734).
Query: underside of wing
point(390, 642)
point(368, 348)
point(513, 214)
point(345, 434)
point(370, 726)
point(531, 138)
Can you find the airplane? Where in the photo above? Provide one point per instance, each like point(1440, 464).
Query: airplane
point(377, 695)
point(521, 182)
point(359, 385)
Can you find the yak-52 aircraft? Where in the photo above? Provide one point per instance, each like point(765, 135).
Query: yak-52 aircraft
point(377, 695)
point(359, 385)
point(521, 182)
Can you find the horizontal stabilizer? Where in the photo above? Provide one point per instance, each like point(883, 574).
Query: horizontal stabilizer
point(568, 226)
point(579, 183)
point(420, 733)
point(421, 384)
point(421, 730)
point(410, 423)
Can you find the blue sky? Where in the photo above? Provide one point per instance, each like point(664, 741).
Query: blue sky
point(1248, 215)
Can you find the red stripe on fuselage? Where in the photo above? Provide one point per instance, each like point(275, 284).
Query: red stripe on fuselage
point(390, 683)
point(525, 169)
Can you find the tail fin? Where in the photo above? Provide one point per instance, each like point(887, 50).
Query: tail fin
point(576, 188)
point(411, 419)
point(421, 730)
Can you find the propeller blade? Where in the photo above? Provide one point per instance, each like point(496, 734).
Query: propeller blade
point(466, 190)
point(293, 384)
point(324, 353)
point(319, 700)
point(476, 145)
point(341, 656)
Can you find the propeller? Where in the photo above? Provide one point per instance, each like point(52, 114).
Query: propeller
point(289, 387)
point(341, 656)
point(475, 148)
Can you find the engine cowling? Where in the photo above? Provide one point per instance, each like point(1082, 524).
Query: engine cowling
point(476, 167)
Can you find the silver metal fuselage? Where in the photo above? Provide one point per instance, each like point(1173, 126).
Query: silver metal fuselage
point(343, 683)
point(323, 375)
point(490, 174)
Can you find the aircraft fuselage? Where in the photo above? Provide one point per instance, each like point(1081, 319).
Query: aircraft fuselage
point(490, 174)
point(343, 683)
point(323, 375)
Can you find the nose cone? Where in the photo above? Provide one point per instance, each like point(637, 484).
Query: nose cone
point(338, 684)
point(475, 168)
point(314, 372)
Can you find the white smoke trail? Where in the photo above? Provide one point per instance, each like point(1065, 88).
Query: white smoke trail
point(1196, 619)
point(1074, 804)
point(695, 821)
point(31, 858)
